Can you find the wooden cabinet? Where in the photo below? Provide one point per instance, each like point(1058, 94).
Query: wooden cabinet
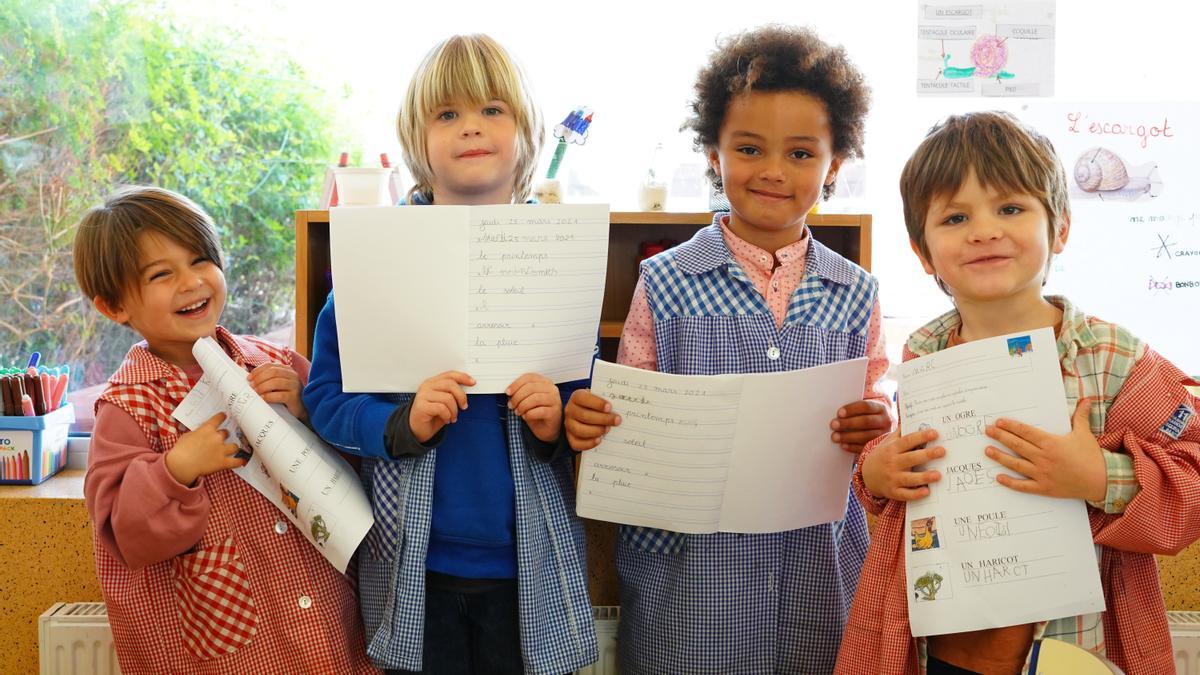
point(849, 235)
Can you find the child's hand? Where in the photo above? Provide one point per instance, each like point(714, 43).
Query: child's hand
point(588, 419)
point(536, 399)
point(1071, 465)
point(202, 452)
point(887, 470)
point(279, 384)
point(437, 403)
point(860, 423)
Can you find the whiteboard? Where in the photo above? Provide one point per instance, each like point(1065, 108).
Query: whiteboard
point(1133, 256)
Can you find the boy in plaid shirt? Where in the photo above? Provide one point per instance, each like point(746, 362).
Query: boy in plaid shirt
point(985, 203)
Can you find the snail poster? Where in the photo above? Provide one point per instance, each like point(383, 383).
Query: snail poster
point(985, 49)
point(1133, 254)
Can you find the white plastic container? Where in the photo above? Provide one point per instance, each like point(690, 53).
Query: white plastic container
point(363, 186)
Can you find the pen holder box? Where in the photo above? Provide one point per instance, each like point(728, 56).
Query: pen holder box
point(34, 448)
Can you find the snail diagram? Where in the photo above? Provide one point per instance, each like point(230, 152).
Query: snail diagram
point(1100, 173)
point(985, 49)
point(989, 55)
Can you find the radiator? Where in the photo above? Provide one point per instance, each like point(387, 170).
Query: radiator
point(74, 639)
point(1185, 638)
point(606, 640)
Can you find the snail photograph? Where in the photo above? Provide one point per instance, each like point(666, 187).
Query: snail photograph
point(1101, 174)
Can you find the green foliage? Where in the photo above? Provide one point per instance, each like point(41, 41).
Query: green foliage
point(105, 93)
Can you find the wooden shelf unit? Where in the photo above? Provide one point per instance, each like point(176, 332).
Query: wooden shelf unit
point(848, 234)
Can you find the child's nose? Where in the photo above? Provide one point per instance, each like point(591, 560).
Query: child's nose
point(772, 170)
point(470, 125)
point(985, 229)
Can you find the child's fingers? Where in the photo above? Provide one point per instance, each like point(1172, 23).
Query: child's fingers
point(855, 437)
point(583, 431)
point(913, 479)
point(582, 445)
point(440, 405)
point(276, 384)
point(1020, 484)
point(913, 440)
point(1028, 434)
point(283, 397)
point(529, 388)
point(862, 422)
point(918, 457)
point(537, 400)
point(583, 398)
point(452, 389)
point(861, 408)
point(457, 376)
point(538, 414)
point(527, 378)
point(1015, 443)
point(594, 417)
point(1021, 466)
point(910, 494)
point(213, 422)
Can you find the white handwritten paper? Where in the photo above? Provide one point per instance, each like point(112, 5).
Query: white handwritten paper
point(980, 555)
point(720, 453)
point(289, 465)
point(494, 291)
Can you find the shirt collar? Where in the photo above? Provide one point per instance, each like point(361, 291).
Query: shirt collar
point(759, 257)
point(1074, 335)
point(707, 251)
point(142, 366)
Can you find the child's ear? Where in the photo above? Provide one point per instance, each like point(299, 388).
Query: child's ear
point(834, 167)
point(1059, 242)
point(113, 313)
point(924, 263)
point(714, 159)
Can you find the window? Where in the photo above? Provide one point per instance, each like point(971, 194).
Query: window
point(243, 105)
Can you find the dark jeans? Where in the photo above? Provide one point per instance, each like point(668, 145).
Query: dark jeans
point(936, 667)
point(470, 628)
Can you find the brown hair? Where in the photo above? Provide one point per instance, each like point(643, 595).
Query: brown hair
point(781, 58)
point(476, 69)
point(1004, 153)
point(106, 242)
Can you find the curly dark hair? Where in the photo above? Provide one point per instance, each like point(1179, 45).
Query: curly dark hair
point(781, 58)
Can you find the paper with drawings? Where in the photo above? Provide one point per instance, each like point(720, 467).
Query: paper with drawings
point(720, 453)
point(980, 555)
point(295, 470)
point(493, 291)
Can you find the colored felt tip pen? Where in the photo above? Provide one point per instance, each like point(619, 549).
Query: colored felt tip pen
point(26, 405)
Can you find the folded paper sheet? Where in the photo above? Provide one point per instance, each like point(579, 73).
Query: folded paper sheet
point(720, 453)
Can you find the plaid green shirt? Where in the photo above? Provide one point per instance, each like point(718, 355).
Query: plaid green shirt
point(1096, 358)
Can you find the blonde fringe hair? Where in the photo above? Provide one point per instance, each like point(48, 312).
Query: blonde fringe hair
point(475, 69)
point(106, 250)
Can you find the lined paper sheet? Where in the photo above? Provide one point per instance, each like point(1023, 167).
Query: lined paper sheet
point(494, 291)
point(721, 453)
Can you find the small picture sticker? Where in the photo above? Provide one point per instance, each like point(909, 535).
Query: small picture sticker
point(1018, 346)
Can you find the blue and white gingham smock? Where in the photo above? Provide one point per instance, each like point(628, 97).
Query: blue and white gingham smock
point(754, 603)
point(557, 631)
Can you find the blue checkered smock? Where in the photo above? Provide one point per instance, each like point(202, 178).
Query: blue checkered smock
point(754, 603)
point(557, 631)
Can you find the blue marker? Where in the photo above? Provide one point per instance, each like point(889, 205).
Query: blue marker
point(34, 359)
